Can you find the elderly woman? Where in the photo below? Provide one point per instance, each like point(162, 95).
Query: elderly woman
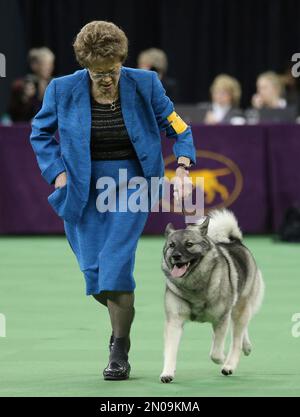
point(109, 119)
point(225, 94)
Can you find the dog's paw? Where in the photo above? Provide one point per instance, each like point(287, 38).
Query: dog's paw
point(227, 370)
point(247, 349)
point(166, 378)
point(218, 359)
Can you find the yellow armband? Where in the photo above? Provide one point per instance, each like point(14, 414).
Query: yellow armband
point(177, 123)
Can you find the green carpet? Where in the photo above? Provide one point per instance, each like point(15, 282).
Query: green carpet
point(56, 340)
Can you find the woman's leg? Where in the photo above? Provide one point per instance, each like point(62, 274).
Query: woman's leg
point(120, 305)
point(101, 298)
point(121, 310)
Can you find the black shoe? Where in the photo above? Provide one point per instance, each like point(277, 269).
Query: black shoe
point(117, 370)
point(118, 367)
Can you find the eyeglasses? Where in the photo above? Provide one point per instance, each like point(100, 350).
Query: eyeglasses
point(101, 75)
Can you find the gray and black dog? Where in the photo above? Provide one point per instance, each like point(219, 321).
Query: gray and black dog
point(210, 277)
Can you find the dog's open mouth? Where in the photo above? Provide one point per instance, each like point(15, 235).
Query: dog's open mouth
point(179, 269)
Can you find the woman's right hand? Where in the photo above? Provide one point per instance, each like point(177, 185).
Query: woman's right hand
point(61, 180)
point(257, 101)
point(210, 118)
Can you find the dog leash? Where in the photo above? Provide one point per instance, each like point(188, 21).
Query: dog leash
point(191, 215)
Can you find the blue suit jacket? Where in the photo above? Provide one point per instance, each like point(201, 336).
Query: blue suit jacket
point(66, 108)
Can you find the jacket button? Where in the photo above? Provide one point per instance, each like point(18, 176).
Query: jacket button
point(144, 157)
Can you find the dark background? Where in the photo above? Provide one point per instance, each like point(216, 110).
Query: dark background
point(201, 37)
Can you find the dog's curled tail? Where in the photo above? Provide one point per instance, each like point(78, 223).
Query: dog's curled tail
point(223, 226)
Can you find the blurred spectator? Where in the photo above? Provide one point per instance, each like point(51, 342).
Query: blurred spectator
point(269, 92)
point(23, 105)
point(41, 62)
point(156, 60)
point(224, 108)
point(27, 93)
point(268, 103)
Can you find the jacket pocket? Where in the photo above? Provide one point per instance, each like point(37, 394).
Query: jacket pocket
point(57, 199)
point(66, 203)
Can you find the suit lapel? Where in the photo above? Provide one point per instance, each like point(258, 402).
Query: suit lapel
point(127, 97)
point(81, 95)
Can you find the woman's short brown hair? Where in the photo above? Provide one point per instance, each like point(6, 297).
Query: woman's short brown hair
point(99, 40)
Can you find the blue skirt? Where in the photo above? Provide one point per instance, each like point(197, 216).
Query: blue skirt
point(105, 242)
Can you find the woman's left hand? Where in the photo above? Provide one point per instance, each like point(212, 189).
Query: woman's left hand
point(182, 184)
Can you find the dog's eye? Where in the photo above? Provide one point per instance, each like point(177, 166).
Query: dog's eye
point(172, 245)
point(189, 244)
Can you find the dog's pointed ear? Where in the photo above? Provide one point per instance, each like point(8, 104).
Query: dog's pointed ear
point(204, 226)
point(200, 227)
point(169, 229)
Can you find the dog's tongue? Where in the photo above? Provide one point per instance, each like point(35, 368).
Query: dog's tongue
point(179, 271)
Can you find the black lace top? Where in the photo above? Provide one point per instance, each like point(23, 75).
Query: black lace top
point(109, 136)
